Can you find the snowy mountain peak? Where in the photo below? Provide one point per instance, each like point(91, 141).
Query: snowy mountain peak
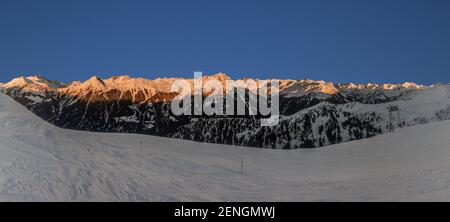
point(301, 87)
point(146, 88)
point(35, 83)
point(220, 76)
point(386, 86)
point(120, 78)
point(412, 85)
point(94, 82)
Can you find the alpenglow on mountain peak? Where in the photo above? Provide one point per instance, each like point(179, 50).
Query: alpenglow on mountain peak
point(149, 87)
point(35, 83)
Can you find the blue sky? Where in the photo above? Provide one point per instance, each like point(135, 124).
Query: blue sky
point(341, 41)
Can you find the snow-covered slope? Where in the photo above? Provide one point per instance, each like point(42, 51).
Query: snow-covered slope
point(40, 162)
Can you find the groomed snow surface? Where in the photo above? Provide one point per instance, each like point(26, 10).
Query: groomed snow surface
point(40, 162)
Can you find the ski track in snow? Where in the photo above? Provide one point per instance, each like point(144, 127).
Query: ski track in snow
point(40, 162)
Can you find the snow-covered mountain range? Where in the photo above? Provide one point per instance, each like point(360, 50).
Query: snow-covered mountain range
point(41, 162)
point(313, 113)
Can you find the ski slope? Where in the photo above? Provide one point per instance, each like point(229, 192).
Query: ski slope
point(40, 162)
